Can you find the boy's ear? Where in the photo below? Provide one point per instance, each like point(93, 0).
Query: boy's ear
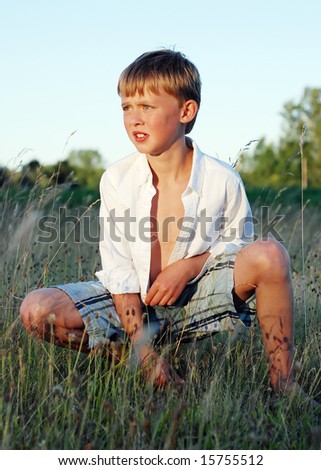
point(189, 111)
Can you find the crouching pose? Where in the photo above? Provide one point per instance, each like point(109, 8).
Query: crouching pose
point(178, 259)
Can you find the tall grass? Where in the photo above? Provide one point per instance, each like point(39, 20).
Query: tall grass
point(52, 398)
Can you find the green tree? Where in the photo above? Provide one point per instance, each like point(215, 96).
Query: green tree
point(279, 165)
point(303, 121)
point(4, 176)
point(30, 173)
point(261, 166)
point(58, 173)
point(87, 167)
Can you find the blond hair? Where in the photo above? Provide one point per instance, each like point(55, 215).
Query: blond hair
point(166, 69)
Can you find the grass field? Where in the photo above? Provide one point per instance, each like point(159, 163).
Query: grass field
point(51, 398)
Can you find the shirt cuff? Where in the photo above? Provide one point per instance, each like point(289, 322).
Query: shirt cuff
point(120, 280)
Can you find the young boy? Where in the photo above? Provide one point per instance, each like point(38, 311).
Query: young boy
point(178, 261)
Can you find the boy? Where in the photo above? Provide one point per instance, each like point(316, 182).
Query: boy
point(178, 262)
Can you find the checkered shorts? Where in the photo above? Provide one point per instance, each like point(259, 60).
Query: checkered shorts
point(204, 308)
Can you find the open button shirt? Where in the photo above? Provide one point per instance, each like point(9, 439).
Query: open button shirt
point(217, 217)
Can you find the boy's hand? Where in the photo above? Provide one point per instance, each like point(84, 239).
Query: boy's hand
point(169, 284)
point(156, 369)
point(159, 372)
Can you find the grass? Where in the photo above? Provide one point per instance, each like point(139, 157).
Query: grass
point(52, 398)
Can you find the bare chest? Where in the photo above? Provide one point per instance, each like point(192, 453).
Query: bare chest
point(167, 212)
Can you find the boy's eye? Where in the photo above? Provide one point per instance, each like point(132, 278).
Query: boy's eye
point(144, 107)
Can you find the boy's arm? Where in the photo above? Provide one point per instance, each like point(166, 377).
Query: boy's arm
point(171, 282)
point(237, 220)
point(156, 368)
point(118, 273)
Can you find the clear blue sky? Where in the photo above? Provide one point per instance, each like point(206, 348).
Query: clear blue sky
point(60, 62)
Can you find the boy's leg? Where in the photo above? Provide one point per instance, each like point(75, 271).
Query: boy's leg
point(50, 314)
point(263, 267)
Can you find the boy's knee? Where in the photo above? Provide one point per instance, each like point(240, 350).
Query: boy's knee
point(272, 257)
point(35, 310)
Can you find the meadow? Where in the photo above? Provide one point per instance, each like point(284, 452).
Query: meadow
point(53, 398)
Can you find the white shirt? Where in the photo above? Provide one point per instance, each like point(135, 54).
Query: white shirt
point(217, 217)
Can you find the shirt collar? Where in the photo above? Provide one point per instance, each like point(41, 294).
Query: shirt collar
point(197, 172)
point(144, 171)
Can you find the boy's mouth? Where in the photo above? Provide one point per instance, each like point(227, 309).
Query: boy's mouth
point(140, 136)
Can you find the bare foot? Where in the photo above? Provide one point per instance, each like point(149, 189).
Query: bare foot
point(295, 390)
point(160, 373)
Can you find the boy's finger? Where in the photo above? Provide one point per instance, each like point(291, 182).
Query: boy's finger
point(156, 299)
point(150, 294)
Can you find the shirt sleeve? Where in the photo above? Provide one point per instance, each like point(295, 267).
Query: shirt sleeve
point(118, 273)
point(235, 224)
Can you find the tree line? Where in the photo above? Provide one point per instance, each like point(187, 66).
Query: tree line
point(294, 160)
point(81, 168)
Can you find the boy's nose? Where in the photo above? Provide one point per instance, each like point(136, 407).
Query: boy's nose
point(136, 118)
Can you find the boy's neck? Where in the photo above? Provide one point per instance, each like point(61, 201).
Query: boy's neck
point(174, 164)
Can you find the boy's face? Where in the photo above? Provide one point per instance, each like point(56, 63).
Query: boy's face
point(153, 122)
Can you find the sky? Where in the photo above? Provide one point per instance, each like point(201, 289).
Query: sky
point(60, 63)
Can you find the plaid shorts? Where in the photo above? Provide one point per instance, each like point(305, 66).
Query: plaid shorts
point(205, 307)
